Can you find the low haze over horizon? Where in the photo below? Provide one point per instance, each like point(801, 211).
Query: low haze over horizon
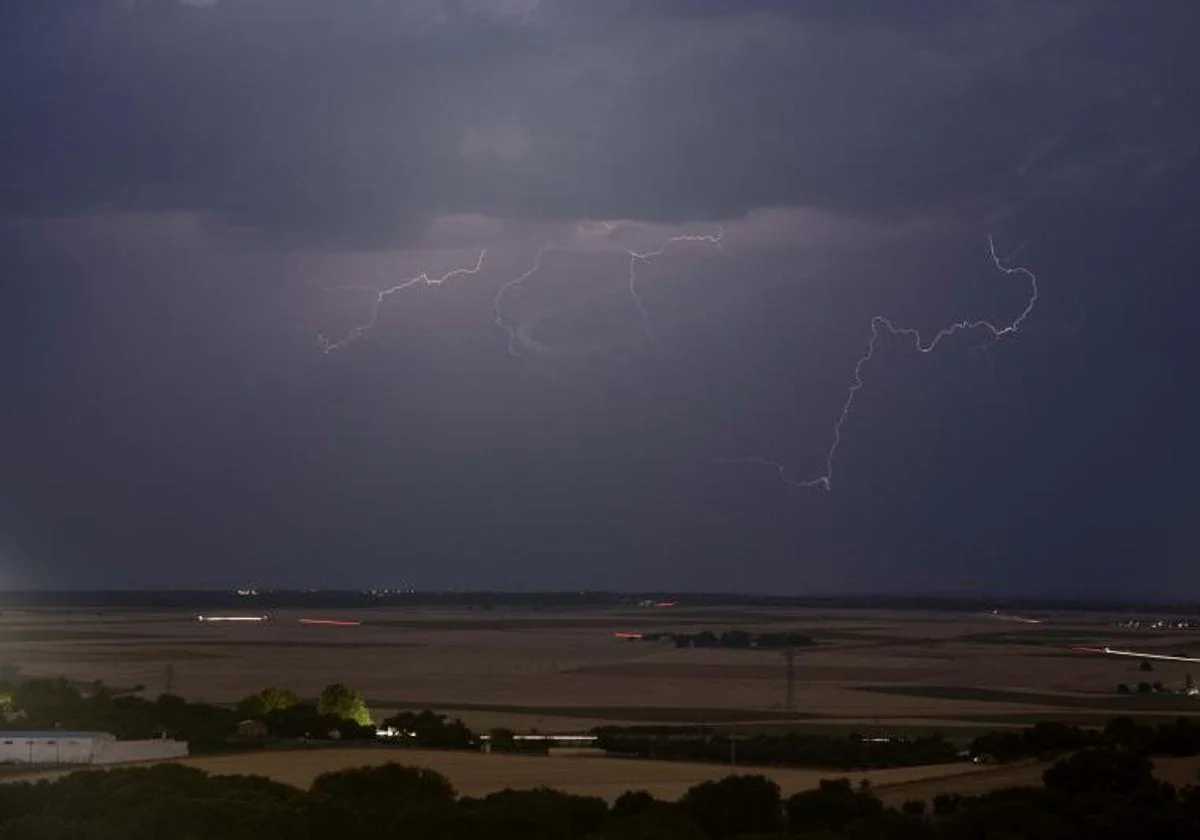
point(721, 295)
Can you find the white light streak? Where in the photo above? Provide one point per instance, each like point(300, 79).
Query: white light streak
point(879, 325)
point(1159, 656)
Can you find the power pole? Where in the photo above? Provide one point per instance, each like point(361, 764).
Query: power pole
point(170, 678)
point(789, 654)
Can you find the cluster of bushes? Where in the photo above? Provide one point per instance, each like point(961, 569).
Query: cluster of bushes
point(843, 753)
point(431, 731)
point(1155, 687)
point(736, 639)
point(1048, 740)
point(1094, 794)
point(339, 713)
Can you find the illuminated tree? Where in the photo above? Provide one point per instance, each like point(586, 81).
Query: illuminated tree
point(342, 701)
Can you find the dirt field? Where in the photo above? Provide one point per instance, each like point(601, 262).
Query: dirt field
point(477, 774)
point(562, 670)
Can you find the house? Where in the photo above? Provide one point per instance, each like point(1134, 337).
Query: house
point(55, 746)
point(252, 730)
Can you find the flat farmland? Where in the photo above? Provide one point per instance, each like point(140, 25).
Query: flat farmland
point(1177, 771)
point(563, 670)
point(477, 774)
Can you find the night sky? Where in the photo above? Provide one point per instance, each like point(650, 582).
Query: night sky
point(201, 386)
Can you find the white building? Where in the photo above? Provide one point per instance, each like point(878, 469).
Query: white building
point(61, 747)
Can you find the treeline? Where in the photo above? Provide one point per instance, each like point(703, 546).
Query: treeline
point(736, 639)
point(350, 599)
point(57, 704)
point(273, 714)
point(1046, 740)
point(852, 752)
point(1096, 793)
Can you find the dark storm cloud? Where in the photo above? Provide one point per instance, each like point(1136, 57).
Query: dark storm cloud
point(358, 121)
point(170, 419)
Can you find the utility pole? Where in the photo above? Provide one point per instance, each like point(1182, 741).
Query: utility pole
point(789, 654)
point(170, 678)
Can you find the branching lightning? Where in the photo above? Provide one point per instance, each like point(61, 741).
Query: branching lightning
point(498, 300)
point(635, 258)
point(879, 325)
point(381, 297)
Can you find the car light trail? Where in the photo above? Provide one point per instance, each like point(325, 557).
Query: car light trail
point(1114, 652)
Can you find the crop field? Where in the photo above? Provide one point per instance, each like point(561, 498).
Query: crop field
point(477, 774)
point(1177, 771)
point(563, 670)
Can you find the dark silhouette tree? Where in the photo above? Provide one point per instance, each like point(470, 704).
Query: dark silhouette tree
point(735, 805)
point(834, 805)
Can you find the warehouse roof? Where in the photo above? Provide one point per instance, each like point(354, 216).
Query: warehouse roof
point(56, 735)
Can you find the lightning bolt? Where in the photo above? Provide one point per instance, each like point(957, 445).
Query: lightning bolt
point(498, 300)
point(879, 325)
point(383, 295)
point(635, 257)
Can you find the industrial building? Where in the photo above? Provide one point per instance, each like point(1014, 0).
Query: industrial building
point(60, 747)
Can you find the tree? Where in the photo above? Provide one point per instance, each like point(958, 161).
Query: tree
point(1145, 665)
point(341, 701)
point(266, 701)
point(47, 702)
point(735, 639)
point(501, 738)
point(735, 805)
point(427, 729)
point(364, 803)
point(1100, 771)
point(834, 805)
point(540, 813)
point(278, 698)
